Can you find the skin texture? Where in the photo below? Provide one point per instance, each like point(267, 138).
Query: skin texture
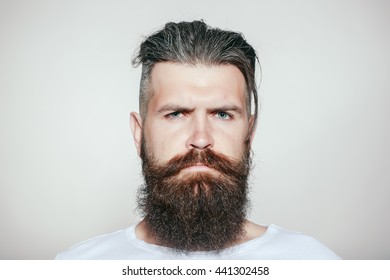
point(195, 107)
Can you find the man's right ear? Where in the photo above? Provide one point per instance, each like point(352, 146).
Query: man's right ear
point(136, 129)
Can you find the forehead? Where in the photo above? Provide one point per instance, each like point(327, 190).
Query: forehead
point(180, 81)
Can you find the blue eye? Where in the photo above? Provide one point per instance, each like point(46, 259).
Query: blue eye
point(174, 115)
point(223, 115)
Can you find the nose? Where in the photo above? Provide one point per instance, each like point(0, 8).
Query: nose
point(200, 135)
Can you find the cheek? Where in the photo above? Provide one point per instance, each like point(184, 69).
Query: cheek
point(231, 142)
point(163, 143)
point(232, 148)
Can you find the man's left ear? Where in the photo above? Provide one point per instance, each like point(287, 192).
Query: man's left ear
point(252, 129)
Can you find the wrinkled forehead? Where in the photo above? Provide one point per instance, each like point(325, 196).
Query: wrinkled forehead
point(176, 80)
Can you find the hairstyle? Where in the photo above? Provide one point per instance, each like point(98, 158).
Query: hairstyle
point(196, 43)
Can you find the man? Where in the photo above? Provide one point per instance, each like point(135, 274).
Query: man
point(194, 134)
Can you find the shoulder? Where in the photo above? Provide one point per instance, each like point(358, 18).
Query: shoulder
point(99, 247)
point(287, 244)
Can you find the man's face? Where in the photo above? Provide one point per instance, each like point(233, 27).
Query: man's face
point(195, 156)
point(196, 107)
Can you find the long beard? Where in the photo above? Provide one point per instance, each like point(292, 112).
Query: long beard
point(198, 212)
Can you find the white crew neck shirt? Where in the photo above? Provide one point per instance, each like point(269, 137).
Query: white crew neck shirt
point(275, 244)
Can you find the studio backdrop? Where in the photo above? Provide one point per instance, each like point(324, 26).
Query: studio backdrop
point(68, 166)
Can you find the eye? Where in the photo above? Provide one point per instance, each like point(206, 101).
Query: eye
point(223, 115)
point(174, 115)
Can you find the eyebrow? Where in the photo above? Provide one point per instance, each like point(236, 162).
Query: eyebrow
point(179, 108)
point(228, 108)
point(173, 108)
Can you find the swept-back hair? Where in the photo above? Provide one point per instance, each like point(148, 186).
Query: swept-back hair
point(196, 43)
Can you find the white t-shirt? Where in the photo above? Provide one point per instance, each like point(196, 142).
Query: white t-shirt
point(275, 244)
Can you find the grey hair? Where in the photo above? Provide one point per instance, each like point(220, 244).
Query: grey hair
point(196, 43)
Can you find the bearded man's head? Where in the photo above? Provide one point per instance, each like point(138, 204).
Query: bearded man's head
point(193, 134)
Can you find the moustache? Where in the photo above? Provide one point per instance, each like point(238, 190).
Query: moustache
point(209, 158)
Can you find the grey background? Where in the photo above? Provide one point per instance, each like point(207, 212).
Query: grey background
point(68, 166)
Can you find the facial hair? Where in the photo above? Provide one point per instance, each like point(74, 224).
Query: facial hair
point(203, 211)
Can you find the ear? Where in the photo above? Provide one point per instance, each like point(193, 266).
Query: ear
point(252, 129)
point(136, 129)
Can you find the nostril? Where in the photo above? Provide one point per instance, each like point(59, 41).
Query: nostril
point(200, 137)
point(200, 146)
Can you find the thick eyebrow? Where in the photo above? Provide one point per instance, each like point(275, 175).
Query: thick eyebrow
point(228, 108)
point(179, 108)
point(174, 108)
